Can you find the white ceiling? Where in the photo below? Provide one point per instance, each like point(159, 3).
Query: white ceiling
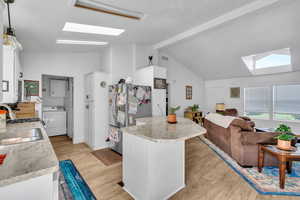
point(216, 53)
point(213, 54)
point(39, 23)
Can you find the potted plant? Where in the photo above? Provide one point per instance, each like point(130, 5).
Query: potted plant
point(284, 140)
point(172, 114)
point(195, 108)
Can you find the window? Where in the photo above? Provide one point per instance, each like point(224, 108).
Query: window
point(272, 62)
point(257, 102)
point(279, 102)
point(286, 102)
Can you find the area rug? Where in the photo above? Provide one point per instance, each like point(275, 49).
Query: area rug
point(71, 184)
point(107, 156)
point(267, 182)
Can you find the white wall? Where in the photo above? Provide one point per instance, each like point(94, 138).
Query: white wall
point(122, 61)
point(141, 54)
point(180, 76)
point(217, 91)
point(48, 100)
point(64, 64)
point(118, 62)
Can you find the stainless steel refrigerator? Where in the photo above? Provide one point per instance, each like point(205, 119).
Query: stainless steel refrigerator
point(127, 102)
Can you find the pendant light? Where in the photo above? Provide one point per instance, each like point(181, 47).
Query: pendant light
point(9, 37)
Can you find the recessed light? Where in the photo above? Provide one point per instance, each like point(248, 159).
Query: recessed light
point(80, 42)
point(84, 28)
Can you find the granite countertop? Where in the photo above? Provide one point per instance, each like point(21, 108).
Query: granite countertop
point(27, 160)
point(157, 129)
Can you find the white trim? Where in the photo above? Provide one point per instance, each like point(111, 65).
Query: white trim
point(249, 8)
point(2, 4)
point(167, 197)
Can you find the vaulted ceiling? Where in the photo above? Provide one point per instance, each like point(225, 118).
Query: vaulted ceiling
point(216, 53)
point(213, 54)
point(39, 23)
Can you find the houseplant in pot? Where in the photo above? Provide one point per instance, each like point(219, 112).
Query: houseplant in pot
point(172, 114)
point(284, 140)
point(195, 108)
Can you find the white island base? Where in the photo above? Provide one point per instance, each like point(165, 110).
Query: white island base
point(147, 163)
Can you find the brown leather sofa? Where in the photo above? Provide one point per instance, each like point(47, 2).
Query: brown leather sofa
point(240, 141)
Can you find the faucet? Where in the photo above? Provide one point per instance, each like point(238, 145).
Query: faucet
point(10, 113)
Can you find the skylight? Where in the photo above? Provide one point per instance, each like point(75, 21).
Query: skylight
point(272, 62)
point(81, 42)
point(84, 28)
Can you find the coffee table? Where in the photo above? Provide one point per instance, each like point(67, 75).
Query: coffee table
point(285, 159)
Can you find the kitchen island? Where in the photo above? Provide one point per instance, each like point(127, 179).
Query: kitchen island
point(30, 170)
point(154, 156)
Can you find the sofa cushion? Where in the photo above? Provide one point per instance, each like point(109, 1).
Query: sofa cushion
point(243, 124)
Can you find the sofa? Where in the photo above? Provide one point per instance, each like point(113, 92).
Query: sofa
point(240, 141)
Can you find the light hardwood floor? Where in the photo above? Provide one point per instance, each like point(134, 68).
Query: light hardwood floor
point(207, 176)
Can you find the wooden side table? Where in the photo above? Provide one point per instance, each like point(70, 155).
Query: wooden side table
point(285, 159)
point(195, 116)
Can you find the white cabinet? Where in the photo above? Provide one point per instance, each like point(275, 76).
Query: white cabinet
point(56, 122)
point(96, 110)
point(11, 73)
point(145, 76)
point(42, 187)
point(2, 6)
point(58, 88)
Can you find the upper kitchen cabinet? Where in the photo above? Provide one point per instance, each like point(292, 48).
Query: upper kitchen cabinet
point(2, 6)
point(58, 88)
point(11, 72)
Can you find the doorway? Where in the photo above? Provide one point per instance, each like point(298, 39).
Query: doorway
point(167, 99)
point(57, 105)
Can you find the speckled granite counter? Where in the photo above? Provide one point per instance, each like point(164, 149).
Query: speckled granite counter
point(157, 129)
point(154, 156)
point(27, 160)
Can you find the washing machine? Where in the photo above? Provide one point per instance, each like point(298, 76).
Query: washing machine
point(55, 121)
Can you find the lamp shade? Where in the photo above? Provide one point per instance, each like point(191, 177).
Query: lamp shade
point(220, 106)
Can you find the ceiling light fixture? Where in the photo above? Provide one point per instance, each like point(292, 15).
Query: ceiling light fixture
point(108, 9)
point(84, 28)
point(60, 41)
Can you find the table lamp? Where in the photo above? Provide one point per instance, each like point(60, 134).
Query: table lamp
point(220, 107)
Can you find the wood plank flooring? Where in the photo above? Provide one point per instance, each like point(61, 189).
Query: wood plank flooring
point(207, 176)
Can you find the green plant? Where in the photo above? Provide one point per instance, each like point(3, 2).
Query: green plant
point(282, 128)
point(172, 110)
point(195, 108)
point(285, 137)
point(285, 133)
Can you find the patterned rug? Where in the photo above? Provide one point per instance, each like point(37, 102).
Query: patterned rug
point(267, 182)
point(71, 185)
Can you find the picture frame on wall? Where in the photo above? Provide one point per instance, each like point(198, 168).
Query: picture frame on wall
point(31, 88)
point(160, 83)
point(188, 92)
point(5, 86)
point(235, 92)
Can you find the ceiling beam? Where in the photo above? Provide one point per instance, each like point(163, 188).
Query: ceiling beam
point(234, 14)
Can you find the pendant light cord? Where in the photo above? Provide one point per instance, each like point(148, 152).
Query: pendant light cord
point(8, 13)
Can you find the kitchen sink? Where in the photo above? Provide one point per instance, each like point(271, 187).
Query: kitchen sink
point(27, 135)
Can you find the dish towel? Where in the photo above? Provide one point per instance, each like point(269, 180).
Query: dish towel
point(220, 120)
point(114, 134)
